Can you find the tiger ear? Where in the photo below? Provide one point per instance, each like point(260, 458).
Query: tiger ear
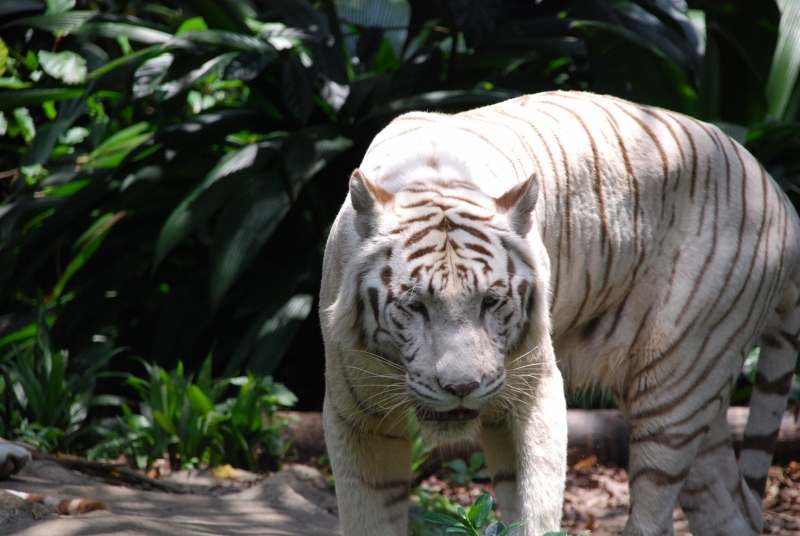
point(368, 199)
point(518, 203)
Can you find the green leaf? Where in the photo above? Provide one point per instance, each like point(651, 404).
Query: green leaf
point(3, 56)
point(59, 6)
point(271, 336)
point(114, 30)
point(441, 519)
point(74, 135)
point(514, 526)
point(66, 66)
point(132, 57)
point(60, 22)
point(619, 56)
point(25, 123)
point(246, 222)
point(194, 23)
point(298, 94)
point(217, 38)
point(783, 76)
point(36, 97)
point(496, 528)
point(120, 143)
point(198, 400)
point(473, 512)
point(459, 530)
point(484, 500)
point(88, 243)
point(165, 422)
point(220, 14)
point(309, 150)
point(212, 193)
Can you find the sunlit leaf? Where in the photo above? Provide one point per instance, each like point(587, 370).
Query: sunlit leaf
point(3, 56)
point(783, 76)
point(194, 23)
point(61, 22)
point(74, 135)
point(140, 34)
point(66, 66)
point(25, 123)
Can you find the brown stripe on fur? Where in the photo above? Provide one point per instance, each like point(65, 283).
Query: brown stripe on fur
point(398, 497)
point(421, 253)
point(504, 477)
point(658, 477)
point(605, 233)
point(791, 338)
point(672, 441)
point(695, 491)
point(771, 342)
point(705, 451)
point(617, 317)
point(780, 386)
point(757, 485)
point(694, 155)
point(760, 442)
point(664, 159)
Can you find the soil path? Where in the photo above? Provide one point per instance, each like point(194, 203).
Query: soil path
point(290, 503)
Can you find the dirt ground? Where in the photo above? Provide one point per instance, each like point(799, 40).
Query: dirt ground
point(299, 501)
point(597, 500)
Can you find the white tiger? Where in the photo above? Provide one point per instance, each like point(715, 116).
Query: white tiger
point(633, 247)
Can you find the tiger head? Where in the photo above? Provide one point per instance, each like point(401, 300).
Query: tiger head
point(445, 289)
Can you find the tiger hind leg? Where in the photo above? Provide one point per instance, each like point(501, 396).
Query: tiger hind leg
point(779, 348)
point(715, 497)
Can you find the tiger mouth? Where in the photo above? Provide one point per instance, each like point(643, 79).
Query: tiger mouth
point(458, 414)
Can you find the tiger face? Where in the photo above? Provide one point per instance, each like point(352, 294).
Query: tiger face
point(446, 291)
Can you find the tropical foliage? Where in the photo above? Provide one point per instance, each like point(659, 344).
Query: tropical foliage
point(169, 170)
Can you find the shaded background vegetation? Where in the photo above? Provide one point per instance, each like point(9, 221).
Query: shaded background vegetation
point(169, 170)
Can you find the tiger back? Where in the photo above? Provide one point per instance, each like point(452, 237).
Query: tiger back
point(481, 257)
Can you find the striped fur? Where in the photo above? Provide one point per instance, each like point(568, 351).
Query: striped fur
point(481, 257)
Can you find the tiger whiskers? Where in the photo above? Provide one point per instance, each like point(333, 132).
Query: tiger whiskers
point(382, 360)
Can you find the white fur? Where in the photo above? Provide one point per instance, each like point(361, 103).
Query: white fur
point(659, 251)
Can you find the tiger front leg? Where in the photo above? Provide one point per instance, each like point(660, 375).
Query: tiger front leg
point(527, 457)
point(373, 477)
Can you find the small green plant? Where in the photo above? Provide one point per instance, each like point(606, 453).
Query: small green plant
point(469, 521)
point(461, 473)
point(192, 423)
point(44, 401)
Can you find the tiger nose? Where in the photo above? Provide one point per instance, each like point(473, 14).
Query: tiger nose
point(461, 389)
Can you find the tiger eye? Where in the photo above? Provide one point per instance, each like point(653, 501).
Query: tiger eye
point(489, 301)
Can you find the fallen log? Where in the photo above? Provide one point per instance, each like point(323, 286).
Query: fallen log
point(601, 433)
